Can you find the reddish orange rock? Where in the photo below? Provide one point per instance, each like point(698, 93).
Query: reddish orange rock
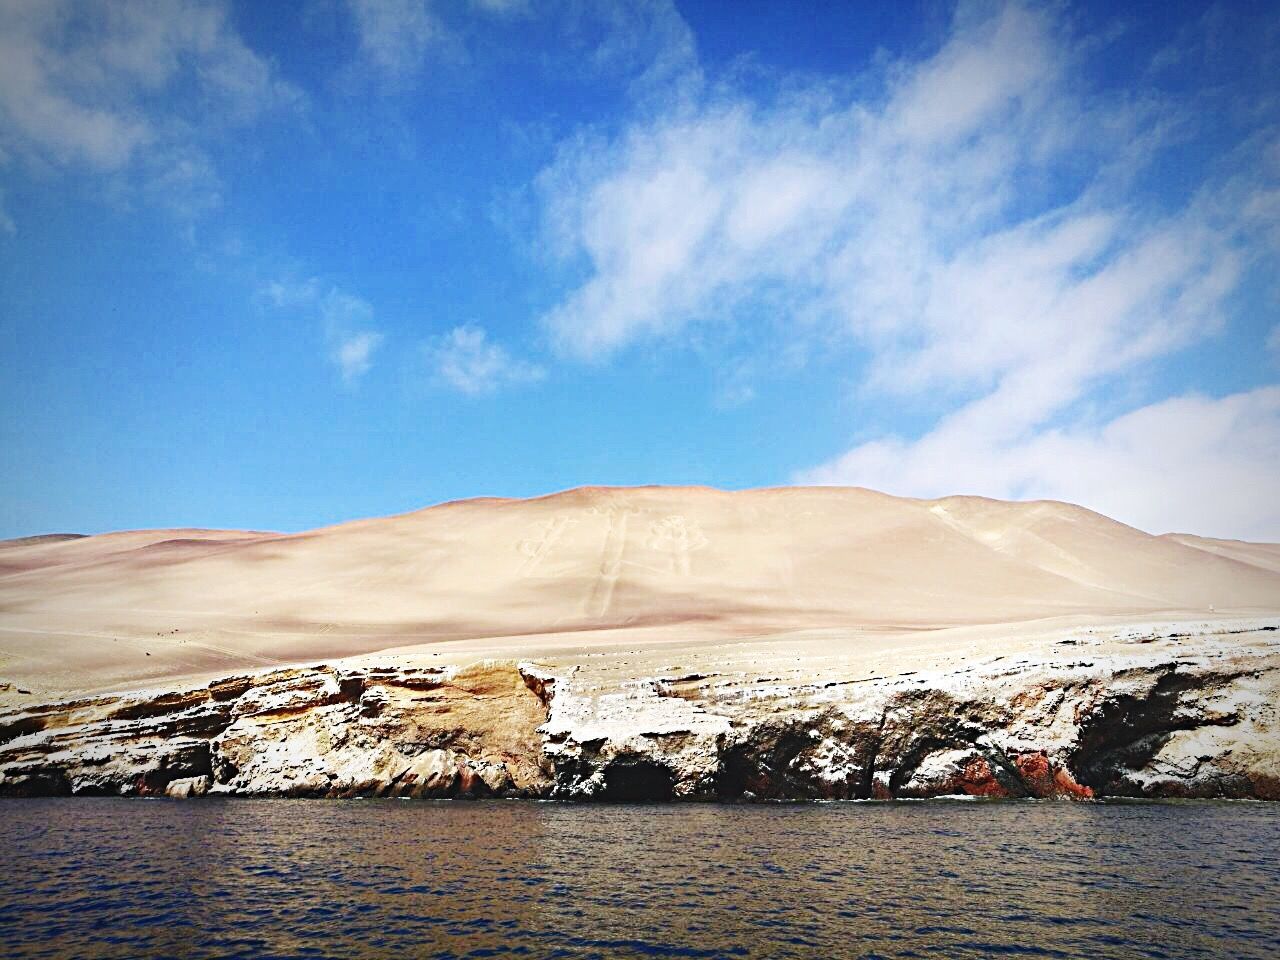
point(978, 780)
point(1047, 780)
point(469, 782)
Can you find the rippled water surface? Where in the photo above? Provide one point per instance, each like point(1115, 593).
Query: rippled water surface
point(276, 878)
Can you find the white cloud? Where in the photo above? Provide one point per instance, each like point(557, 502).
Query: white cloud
point(348, 329)
point(346, 321)
point(354, 354)
point(649, 41)
point(112, 85)
point(341, 311)
point(46, 90)
point(398, 37)
point(968, 220)
point(6, 221)
point(466, 360)
point(848, 199)
point(395, 34)
point(734, 384)
point(293, 293)
point(502, 6)
point(1190, 464)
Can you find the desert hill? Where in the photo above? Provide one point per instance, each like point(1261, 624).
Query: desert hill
point(607, 568)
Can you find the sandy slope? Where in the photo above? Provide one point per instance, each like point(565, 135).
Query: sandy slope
point(1265, 555)
point(643, 577)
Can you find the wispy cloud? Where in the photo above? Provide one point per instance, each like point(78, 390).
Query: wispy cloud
point(968, 220)
point(467, 360)
point(6, 221)
point(395, 35)
point(353, 354)
point(853, 201)
point(502, 6)
point(292, 293)
point(111, 86)
point(346, 322)
point(399, 38)
point(348, 328)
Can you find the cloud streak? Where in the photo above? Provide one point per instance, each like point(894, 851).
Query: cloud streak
point(690, 214)
point(970, 222)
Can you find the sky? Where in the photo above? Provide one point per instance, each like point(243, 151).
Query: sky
point(280, 265)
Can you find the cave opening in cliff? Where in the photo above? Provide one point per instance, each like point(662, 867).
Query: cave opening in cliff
point(637, 781)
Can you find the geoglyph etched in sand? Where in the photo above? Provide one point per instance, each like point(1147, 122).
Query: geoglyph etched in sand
point(676, 536)
point(539, 546)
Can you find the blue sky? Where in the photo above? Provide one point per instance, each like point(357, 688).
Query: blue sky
point(280, 265)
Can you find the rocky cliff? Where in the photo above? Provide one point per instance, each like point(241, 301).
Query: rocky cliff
point(1169, 709)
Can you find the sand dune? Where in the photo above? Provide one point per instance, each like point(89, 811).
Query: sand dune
point(1264, 555)
point(607, 568)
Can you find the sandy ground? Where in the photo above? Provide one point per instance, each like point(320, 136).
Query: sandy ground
point(831, 582)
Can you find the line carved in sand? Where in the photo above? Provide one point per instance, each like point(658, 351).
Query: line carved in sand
point(616, 514)
point(537, 547)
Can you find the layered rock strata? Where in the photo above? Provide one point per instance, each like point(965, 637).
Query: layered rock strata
point(1175, 714)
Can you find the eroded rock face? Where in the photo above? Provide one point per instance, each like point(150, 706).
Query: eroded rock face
point(320, 732)
point(1176, 717)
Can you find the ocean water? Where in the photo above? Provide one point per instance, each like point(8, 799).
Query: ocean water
point(283, 878)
